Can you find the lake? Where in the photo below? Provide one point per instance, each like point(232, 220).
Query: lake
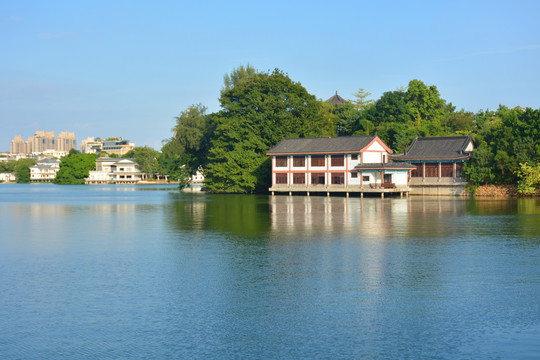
point(147, 272)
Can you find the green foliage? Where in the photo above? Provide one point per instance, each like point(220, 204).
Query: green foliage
point(191, 141)
point(361, 102)
point(258, 112)
point(21, 168)
point(507, 138)
point(238, 75)
point(73, 152)
point(146, 157)
point(529, 178)
point(7, 167)
point(75, 168)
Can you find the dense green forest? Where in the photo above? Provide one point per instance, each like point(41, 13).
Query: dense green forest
point(258, 109)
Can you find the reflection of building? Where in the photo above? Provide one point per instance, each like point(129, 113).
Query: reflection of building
point(45, 170)
point(336, 164)
point(438, 163)
point(42, 141)
point(116, 146)
point(114, 171)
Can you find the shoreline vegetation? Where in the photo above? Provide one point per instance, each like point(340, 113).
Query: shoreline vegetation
point(258, 109)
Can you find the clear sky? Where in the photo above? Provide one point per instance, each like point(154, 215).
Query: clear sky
point(127, 68)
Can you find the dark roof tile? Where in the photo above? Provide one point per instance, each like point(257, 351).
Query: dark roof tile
point(321, 145)
point(448, 147)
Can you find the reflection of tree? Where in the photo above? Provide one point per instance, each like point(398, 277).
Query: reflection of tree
point(245, 216)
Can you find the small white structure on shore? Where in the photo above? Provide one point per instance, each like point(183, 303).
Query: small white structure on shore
point(7, 177)
point(196, 183)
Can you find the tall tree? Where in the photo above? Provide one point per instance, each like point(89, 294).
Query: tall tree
point(424, 102)
point(257, 113)
point(361, 101)
point(190, 143)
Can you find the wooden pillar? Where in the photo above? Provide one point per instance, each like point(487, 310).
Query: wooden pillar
point(361, 195)
point(290, 193)
point(328, 194)
point(382, 195)
point(347, 194)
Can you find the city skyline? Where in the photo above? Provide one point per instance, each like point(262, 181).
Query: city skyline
point(129, 69)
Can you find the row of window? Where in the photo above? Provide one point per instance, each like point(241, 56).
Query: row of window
point(432, 170)
point(316, 178)
point(316, 160)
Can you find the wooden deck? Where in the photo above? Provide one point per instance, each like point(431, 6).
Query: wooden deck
point(384, 189)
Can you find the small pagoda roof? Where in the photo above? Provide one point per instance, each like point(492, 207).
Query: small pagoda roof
point(336, 100)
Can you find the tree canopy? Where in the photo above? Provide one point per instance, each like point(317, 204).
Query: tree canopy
point(75, 168)
point(257, 113)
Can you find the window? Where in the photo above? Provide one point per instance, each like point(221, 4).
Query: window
point(281, 161)
point(354, 157)
point(447, 170)
point(388, 178)
point(418, 171)
point(299, 161)
point(281, 178)
point(317, 160)
point(354, 175)
point(299, 178)
point(432, 170)
point(338, 178)
point(317, 179)
point(365, 178)
point(337, 160)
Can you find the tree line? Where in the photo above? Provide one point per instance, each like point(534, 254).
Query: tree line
point(258, 109)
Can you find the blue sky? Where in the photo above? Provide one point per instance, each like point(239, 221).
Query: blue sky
point(127, 68)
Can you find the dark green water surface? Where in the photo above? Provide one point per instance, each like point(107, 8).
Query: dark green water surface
point(150, 273)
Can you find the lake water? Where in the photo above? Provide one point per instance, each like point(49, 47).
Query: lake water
point(150, 273)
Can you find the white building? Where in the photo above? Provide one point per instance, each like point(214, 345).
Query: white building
point(7, 177)
point(45, 170)
point(115, 171)
point(337, 164)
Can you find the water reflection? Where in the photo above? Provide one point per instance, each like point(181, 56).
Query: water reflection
point(302, 216)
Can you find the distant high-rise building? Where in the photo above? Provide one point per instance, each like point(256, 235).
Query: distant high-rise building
point(17, 145)
point(66, 141)
point(42, 141)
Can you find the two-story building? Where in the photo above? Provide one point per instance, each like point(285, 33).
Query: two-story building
point(115, 171)
point(45, 170)
point(337, 164)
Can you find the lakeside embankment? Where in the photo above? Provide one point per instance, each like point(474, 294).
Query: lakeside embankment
point(500, 191)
